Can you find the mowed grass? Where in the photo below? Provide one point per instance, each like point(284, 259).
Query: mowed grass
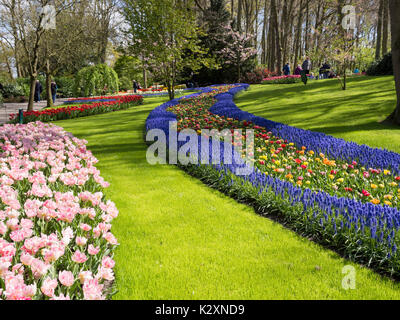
point(354, 114)
point(182, 240)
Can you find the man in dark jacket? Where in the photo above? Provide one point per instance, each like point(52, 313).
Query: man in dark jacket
point(135, 86)
point(286, 69)
point(38, 90)
point(54, 89)
point(327, 68)
point(307, 66)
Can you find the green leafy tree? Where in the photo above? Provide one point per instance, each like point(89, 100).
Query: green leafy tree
point(165, 34)
point(96, 80)
point(129, 67)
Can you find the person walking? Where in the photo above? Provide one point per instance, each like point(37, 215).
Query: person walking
point(307, 66)
point(298, 70)
point(38, 90)
point(327, 68)
point(286, 69)
point(54, 89)
point(135, 86)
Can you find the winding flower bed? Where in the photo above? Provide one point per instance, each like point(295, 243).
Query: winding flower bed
point(55, 223)
point(342, 194)
point(111, 104)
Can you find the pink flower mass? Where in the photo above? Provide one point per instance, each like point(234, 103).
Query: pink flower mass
point(53, 217)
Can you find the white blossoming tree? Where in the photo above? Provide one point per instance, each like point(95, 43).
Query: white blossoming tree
point(237, 49)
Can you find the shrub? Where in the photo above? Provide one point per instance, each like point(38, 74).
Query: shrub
point(125, 84)
point(25, 84)
point(96, 80)
point(65, 86)
point(12, 91)
point(381, 67)
point(256, 76)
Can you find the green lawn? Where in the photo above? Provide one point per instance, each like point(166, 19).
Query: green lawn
point(182, 240)
point(322, 106)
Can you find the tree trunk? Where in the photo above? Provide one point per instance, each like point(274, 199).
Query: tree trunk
point(379, 32)
point(145, 78)
point(32, 92)
point(277, 38)
point(239, 16)
point(395, 25)
point(271, 43)
point(264, 35)
point(49, 97)
point(344, 80)
point(298, 37)
point(307, 26)
point(385, 23)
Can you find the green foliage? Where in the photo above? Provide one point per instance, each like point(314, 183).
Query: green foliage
point(125, 84)
point(65, 86)
point(12, 91)
point(129, 67)
point(96, 80)
point(25, 84)
point(364, 56)
point(165, 33)
point(381, 67)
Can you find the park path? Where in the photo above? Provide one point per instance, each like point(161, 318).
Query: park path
point(12, 108)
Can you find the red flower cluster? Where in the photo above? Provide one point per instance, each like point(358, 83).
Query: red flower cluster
point(69, 112)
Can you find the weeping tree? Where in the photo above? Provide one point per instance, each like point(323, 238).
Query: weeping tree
point(96, 80)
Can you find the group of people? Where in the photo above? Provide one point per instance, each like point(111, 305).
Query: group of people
point(325, 70)
point(136, 86)
point(39, 90)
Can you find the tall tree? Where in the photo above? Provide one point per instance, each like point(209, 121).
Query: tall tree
point(170, 27)
point(275, 25)
point(395, 27)
point(379, 31)
point(30, 20)
point(385, 27)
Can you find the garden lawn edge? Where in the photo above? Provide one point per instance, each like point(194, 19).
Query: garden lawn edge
point(306, 212)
